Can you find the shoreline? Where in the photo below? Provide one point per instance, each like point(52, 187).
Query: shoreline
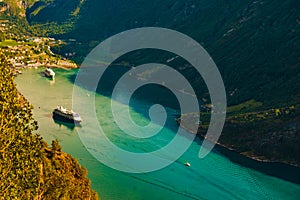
point(18, 70)
point(285, 171)
point(280, 170)
point(75, 66)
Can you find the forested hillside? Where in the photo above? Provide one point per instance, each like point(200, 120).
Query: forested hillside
point(29, 168)
point(255, 43)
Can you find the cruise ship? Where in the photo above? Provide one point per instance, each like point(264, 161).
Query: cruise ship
point(62, 114)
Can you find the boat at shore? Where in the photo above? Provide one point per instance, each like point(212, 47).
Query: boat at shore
point(49, 73)
point(62, 114)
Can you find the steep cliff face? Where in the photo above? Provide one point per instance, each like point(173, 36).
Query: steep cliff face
point(255, 44)
point(16, 7)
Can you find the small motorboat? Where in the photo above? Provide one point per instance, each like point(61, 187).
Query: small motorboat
point(49, 73)
point(187, 164)
point(62, 114)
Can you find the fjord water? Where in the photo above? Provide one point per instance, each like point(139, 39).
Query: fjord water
point(214, 177)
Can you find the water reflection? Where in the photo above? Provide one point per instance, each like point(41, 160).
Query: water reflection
point(70, 126)
point(42, 74)
point(52, 82)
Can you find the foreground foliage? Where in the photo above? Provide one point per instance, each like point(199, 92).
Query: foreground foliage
point(29, 169)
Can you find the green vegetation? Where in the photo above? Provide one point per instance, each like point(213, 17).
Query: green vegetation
point(263, 134)
point(244, 107)
point(29, 169)
point(8, 43)
point(60, 24)
point(36, 11)
point(2, 36)
point(24, 49)
point(253, 43)
point(17, 8)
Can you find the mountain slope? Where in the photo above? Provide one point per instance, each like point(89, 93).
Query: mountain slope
point(29, 169)
point(255, 44)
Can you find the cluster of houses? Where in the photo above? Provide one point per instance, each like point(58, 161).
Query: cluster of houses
point(33, 53)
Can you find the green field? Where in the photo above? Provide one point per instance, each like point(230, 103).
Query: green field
point(6, 43)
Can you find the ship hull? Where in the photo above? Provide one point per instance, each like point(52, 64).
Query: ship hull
point(48, 75)
point(59, 116)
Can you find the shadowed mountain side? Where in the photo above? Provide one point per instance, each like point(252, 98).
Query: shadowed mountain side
point(254, 43)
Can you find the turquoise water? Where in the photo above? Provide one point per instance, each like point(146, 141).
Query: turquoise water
point(214, 177)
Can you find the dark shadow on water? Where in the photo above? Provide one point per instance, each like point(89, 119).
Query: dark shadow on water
point(42, 74)
point(276, 169)
point(159, 95)
point(147, 95)
point(142, 99)
point(70, 126)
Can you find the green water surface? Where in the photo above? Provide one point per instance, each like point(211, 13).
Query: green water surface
point(214, 177)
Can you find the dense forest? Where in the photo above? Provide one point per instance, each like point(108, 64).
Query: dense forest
point(29, 168)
